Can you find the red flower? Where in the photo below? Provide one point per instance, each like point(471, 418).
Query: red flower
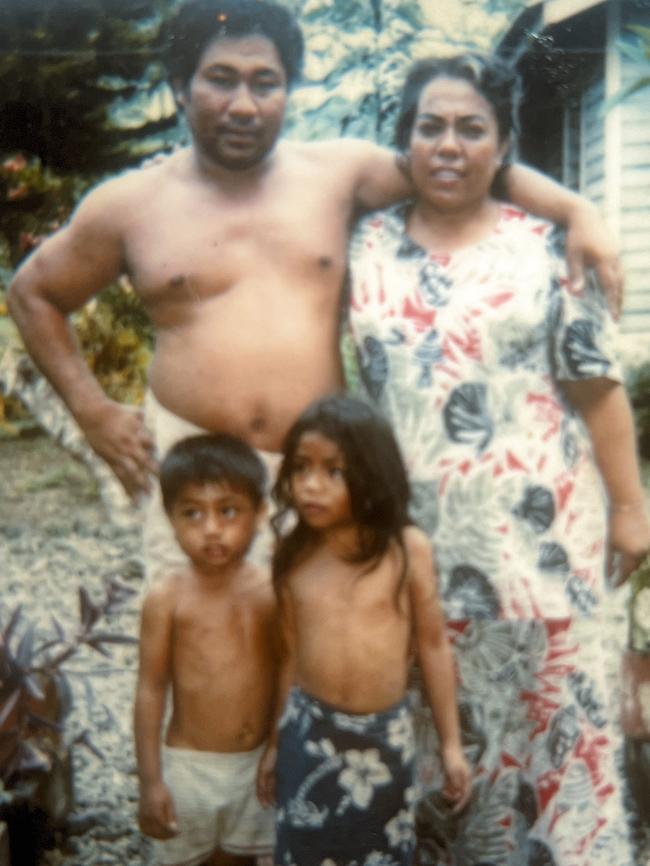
point(14, 193)
point(27, 241)
point(15, 163)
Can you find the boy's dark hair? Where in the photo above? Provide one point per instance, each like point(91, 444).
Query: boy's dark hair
point(197, 23)
point(212, 458)
point(492, 77)
point(374, 473)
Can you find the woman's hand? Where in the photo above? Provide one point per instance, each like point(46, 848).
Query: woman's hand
point(590, 243)
point(458, 777)
point(266, 776)
point(629, 540)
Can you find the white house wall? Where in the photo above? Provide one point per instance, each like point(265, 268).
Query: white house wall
point(634, 220)
point(592, 143)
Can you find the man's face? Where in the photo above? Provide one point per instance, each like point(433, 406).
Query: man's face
point(235, 101)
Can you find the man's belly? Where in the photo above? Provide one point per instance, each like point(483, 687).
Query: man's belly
point(254, 389)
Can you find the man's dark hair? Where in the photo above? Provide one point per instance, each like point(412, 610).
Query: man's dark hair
point(197, 23)
point(490, 76)
point(212, 458)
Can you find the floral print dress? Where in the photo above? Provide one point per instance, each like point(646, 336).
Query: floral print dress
point(463, 353)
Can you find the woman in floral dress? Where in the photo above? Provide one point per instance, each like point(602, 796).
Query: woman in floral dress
point(505, 395)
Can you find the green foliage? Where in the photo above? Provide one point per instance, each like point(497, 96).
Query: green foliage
point(638, 386)
point(116, 339)
point(640, 608)
point(54, 57)
point(114, 331)
point(34, 202)
point(344, 15)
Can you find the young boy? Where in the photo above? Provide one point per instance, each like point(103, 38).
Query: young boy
point(208, 632)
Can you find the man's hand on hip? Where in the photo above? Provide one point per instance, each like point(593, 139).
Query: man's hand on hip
point(117, 433)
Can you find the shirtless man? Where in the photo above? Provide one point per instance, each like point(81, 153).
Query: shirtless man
point(236, 245)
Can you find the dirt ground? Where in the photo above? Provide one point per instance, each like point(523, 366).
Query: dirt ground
point(54, 536)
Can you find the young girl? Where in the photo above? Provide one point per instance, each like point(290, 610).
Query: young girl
point(356, 586)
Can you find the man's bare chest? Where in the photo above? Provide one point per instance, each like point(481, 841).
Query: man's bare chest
point(204, 253)
point(294, 214)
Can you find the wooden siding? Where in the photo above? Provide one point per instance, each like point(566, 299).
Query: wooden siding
point(635, 183)
point(592, 142)
point(570, 170)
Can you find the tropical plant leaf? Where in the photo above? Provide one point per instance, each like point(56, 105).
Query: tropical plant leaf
point(84, 740)
point(33, 687)
point(24, 789)
point(8, 706)
point(110, 717)
point(43, 722)
point(98, 647)
point(88, 612)
point(8, 767)
point(9, 741)
point(107, 637)
point(7, 795)
point(89, 691)
point(64, 693)
point(25, 651)
point(23, 749)
point(635, 52)
point(641, 30)
point(11, 625)
point(58, 628)
point(118, 592)
point(32, 759)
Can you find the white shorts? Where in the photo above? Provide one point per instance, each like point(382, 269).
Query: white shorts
point(162, 555)
point(216, 806)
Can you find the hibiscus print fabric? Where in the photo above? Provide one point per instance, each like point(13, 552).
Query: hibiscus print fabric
point(465, 354)
point(345, 786)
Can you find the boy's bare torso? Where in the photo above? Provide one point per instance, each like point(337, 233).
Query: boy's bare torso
point(352, 636)
point(242, 286)
point(222, 662)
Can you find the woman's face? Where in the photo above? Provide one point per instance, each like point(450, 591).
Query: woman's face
point(454, 148)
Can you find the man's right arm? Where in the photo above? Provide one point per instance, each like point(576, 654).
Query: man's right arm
point(67, 270)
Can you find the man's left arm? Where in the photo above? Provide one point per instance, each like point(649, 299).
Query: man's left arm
point(589, 241)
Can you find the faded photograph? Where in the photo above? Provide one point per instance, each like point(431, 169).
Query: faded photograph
point(324, 432)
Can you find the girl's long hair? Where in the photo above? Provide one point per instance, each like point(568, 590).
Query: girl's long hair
point(375, 475)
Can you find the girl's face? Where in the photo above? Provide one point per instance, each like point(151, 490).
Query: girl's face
point(454, 148)
point(318, 487)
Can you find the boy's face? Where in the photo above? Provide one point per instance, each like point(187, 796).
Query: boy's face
point(214, 524)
